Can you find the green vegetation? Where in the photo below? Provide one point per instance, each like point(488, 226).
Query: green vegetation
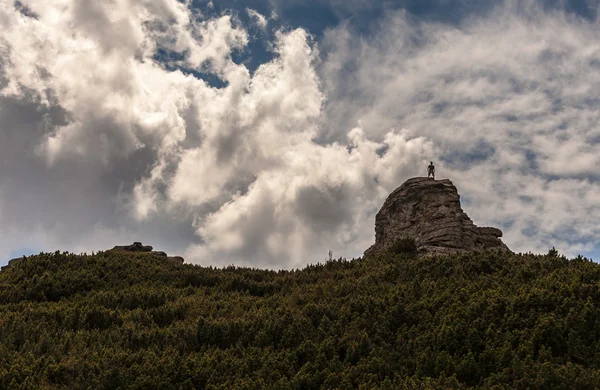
point(112, 320)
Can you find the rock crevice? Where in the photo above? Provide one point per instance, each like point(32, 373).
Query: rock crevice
point(429, 212)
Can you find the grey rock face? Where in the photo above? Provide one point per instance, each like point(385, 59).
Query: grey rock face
point(429, 212)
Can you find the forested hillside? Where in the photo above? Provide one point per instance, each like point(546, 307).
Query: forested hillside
point(391, 321)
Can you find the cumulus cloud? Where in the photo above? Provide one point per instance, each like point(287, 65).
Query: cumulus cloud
point(320, 197)
point(130, 143)
point(278, 196)
point(87, 110)
point(110, 133)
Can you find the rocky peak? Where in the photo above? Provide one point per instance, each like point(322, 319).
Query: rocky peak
point(429, 212)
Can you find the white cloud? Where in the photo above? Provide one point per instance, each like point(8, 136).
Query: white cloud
point(240, 161)
point(319, 198)
point(281, 197)
point(258, 18)
point(106, 142)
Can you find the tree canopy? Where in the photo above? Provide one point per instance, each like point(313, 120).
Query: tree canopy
point(113, 320)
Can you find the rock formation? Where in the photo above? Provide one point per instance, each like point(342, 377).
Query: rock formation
point(12, 263)
point(428, 211)
point(135, 247)
point(138, 247)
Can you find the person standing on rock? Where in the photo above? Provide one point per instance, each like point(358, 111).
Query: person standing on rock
point(431, 170)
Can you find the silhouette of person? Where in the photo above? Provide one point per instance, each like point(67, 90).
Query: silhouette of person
point(431, 170)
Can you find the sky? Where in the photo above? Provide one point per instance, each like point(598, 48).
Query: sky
point(265, 133)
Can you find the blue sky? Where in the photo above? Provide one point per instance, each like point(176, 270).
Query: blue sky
point(266, 133)
point(316, 16)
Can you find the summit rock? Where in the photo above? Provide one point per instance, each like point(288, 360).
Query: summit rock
point(428, 211)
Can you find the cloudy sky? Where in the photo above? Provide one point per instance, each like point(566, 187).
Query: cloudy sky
point(267, 132)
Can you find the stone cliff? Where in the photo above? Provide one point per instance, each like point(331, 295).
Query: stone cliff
point(429, 212)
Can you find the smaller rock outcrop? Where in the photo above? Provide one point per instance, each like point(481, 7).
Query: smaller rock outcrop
point(428, 211)
point(135, 247)
point(12, 263)
point(138, 247)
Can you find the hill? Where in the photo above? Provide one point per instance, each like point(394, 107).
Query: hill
point(130, 320)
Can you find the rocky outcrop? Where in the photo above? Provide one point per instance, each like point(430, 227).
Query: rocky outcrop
point(138, 247)
point(428, 211)
point(11, 263)
point(135, 247)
